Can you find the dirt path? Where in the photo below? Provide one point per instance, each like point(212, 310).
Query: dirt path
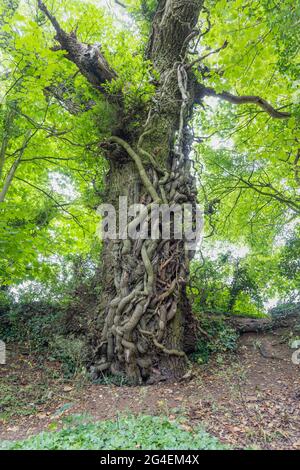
point(251, 398)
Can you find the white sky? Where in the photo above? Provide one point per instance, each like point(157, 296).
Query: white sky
point(63, 186)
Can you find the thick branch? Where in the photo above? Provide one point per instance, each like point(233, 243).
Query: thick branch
point(255, 325)
point(88, 59)
point(9, 178)
point(246, 99)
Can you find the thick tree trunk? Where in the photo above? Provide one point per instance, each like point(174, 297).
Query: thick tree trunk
point(139, 329)
point(144, 323)
point(143, 314)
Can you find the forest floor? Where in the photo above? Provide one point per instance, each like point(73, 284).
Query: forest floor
point(247, 399)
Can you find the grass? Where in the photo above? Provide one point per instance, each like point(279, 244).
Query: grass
point(125, 433)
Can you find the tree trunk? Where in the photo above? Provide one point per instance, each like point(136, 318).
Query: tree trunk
point(143, 315)
point(140, 329)
point(144, 324)
point(260, 325)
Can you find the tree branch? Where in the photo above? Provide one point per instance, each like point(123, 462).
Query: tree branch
point(214, 51)
point(121, 4)
point(57, 203)
point(67, 102)
point(88, 59)
point(297, 167)
point(265, 189)
point(5, 140)
point(13, 169)
point(202, 91)
point(9, 178)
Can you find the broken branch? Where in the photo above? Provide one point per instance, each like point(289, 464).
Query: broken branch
point(88, 59)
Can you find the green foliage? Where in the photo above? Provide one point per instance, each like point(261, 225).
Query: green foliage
point(248, 162)
point(226, 284)
point(141, 432)
point(70, 351)
point(286, 309)
point(135, 74)
point(289, 268)
point(35, 323)
point(40, 325)
point(39, 319)
point(54, 145)
point(143, 13)
point(222, 338)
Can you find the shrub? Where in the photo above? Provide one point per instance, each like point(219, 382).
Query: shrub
point(222, 338)
point(34, 322)
point(69, 350)
point(41, 325)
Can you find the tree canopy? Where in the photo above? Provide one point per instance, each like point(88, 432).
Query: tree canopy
point(51, 124)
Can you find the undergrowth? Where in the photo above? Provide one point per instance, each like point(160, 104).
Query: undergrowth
point(126, 432)
point(40, 327)
point(218, 338)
